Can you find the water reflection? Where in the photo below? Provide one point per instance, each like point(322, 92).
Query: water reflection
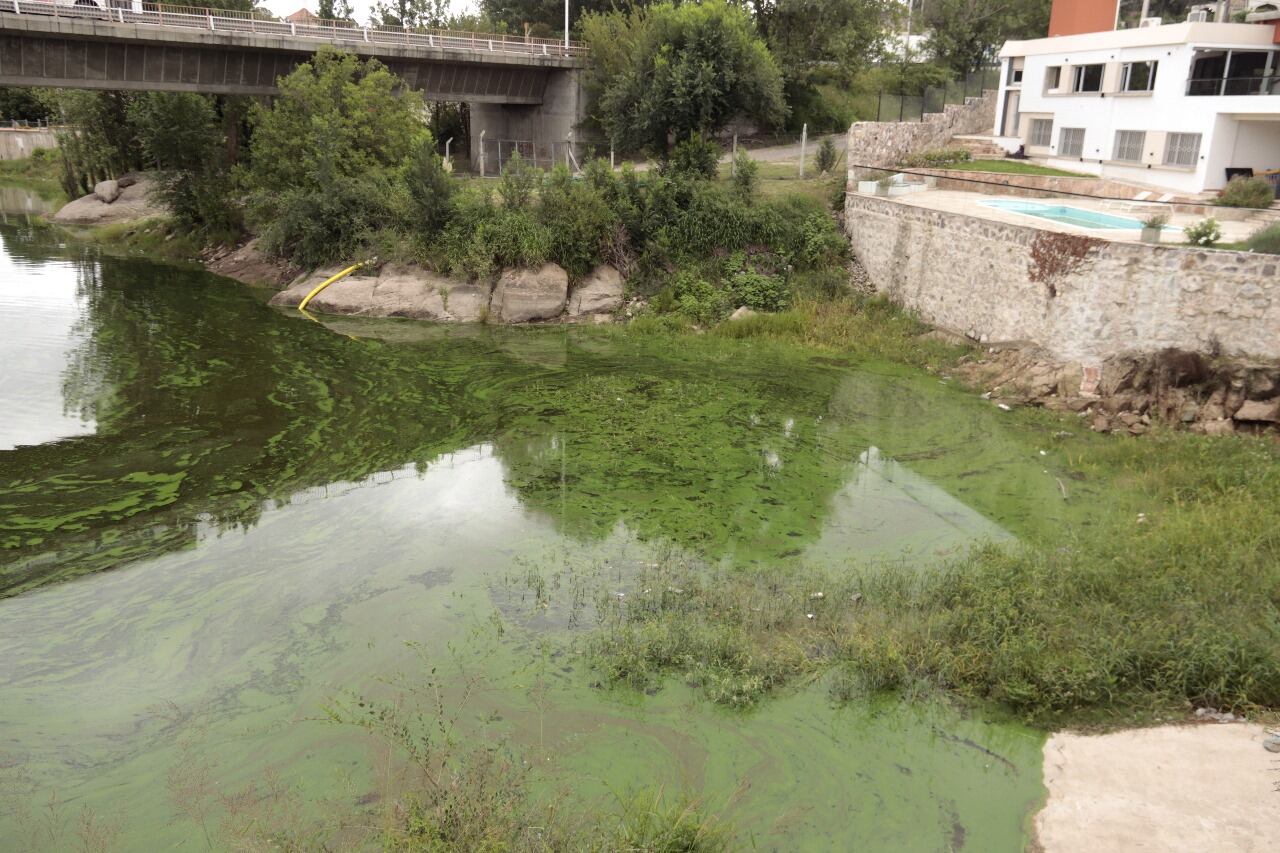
point(283, 508)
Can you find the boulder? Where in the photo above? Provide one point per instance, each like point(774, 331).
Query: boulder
point(132, 204)
point(106, 191)
point(400, 290)
point(1223, 426)
point(599, 292)
point(742, 313)
point(1259, 410)
point(523, 294)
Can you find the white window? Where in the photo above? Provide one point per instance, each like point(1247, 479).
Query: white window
point(1041, 132)
point(1182, 149)
point(1087, 78)
point(1129, 146)
point(1052, 77)
point(1071, 141)
point(1138, 77)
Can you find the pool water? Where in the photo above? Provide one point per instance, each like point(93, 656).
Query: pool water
point(1067, 215)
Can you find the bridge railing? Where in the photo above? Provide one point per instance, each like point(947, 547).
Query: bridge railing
point(334, 32)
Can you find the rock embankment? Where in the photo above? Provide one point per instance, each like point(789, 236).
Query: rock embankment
point(1128, 393)
point(127, 199)
point(407, 290)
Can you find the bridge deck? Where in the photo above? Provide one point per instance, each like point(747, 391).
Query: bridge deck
point(49, 44)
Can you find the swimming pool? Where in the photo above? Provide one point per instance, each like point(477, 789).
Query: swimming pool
point(1076, 216)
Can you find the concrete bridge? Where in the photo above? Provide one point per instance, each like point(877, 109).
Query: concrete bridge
point(517, 88)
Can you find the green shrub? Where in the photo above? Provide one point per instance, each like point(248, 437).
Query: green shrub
point(578, 219)
point(698, 299)
point(759, 291)
point(937, 157)
point(1265, 240)
point(1247, 192)
point(429, 187)
point(694, 158)
point(520, 180)
point(1206, 232)
point(827, 156)
point(312, 227)
point(746, 176)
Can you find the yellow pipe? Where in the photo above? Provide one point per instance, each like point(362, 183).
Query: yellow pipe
point(328, 281)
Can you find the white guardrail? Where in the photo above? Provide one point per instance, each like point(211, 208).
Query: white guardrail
point(334, 32)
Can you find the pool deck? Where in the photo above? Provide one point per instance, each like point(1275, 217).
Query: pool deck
point(970, 204)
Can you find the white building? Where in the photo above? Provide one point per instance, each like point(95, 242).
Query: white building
point(1175, 105)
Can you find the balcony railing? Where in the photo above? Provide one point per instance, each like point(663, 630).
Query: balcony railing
point(334, 32)
point(1234, 85)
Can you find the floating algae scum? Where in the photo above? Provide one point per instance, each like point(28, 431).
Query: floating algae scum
point(243, 516)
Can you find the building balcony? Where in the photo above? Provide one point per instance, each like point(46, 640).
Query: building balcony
point(1269, 85)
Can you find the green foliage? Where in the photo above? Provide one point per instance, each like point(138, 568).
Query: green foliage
point(695, 158)
point(936, 158)
point(181, 134)
point(699, 300)
point(1206, 232)
point(964, 34)
point(100, 141)
point(520, 180)
point(429, 187)
point(758, 291)
point(827, 156)
point(411, 13)
point(23, 102)
point(651, 822)
point(1265, 240)
point(328, 159)
point(579, 218)
point(1174, 608)
point(355, 115)
point(746, 176)
point(330, 219)
point(669, 71)
point(1247, 192)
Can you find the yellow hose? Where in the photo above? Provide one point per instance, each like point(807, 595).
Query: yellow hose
point(328, 281)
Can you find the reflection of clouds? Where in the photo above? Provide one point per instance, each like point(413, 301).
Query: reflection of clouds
point(887, 510)
point(41, 309)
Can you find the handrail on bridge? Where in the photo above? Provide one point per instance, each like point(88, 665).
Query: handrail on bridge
point(333, 31)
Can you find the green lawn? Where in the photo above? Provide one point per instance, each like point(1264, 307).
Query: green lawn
point(1012, 167)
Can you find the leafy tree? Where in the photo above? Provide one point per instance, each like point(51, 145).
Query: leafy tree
point(669, 71)
point(328, 155)
point(746, 176)
point(181, 135)
point(335, 10)
point(964, 34)
point(411, 13)
point(336, 106)
point(826, 159)
point(827, 38)
point(545, 17)
point(22, 102)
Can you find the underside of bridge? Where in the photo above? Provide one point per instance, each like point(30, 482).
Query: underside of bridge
point(523, 97)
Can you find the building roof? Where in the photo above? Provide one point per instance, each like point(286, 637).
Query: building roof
point(1224, 35)
point(302, 16)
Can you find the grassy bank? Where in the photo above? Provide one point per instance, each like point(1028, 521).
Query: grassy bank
point(1135, 618)
point(1011, 167)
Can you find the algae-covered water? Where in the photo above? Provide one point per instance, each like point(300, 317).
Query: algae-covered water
point(215, 516)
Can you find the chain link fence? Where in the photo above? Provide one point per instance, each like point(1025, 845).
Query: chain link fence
point(496, 153)
point(900, 107)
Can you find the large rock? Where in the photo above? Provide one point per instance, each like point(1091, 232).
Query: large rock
point(131, 205)
point(400, 290)
point(106, 191)
point(600, 292)
point(251, 265)
point(523, 295)
point(1259, 410)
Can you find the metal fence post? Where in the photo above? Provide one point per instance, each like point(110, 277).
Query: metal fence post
point(482, 153)
point(804, 137)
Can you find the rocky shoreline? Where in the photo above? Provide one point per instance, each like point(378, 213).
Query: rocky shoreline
point(1130, 393)
point(516, 296)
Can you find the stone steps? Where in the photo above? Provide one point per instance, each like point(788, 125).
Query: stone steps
point(979, 147)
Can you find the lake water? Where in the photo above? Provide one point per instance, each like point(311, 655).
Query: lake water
point(215, 516)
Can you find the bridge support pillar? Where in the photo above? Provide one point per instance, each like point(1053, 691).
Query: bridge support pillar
point(562, 109)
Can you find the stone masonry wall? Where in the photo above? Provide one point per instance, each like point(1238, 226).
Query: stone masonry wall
point(885, 143)
point(17, 143)
point(982, 278)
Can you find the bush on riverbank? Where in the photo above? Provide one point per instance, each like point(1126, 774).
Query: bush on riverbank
point(1177, 607)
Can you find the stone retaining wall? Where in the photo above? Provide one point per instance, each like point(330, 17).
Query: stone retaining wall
point(886, 143)
point(1078, 298)
point(18, 143)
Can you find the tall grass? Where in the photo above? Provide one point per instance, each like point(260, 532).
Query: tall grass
point(1175, 608)
point(867, 327)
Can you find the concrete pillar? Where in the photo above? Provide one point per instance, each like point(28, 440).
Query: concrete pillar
point(563, 107)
